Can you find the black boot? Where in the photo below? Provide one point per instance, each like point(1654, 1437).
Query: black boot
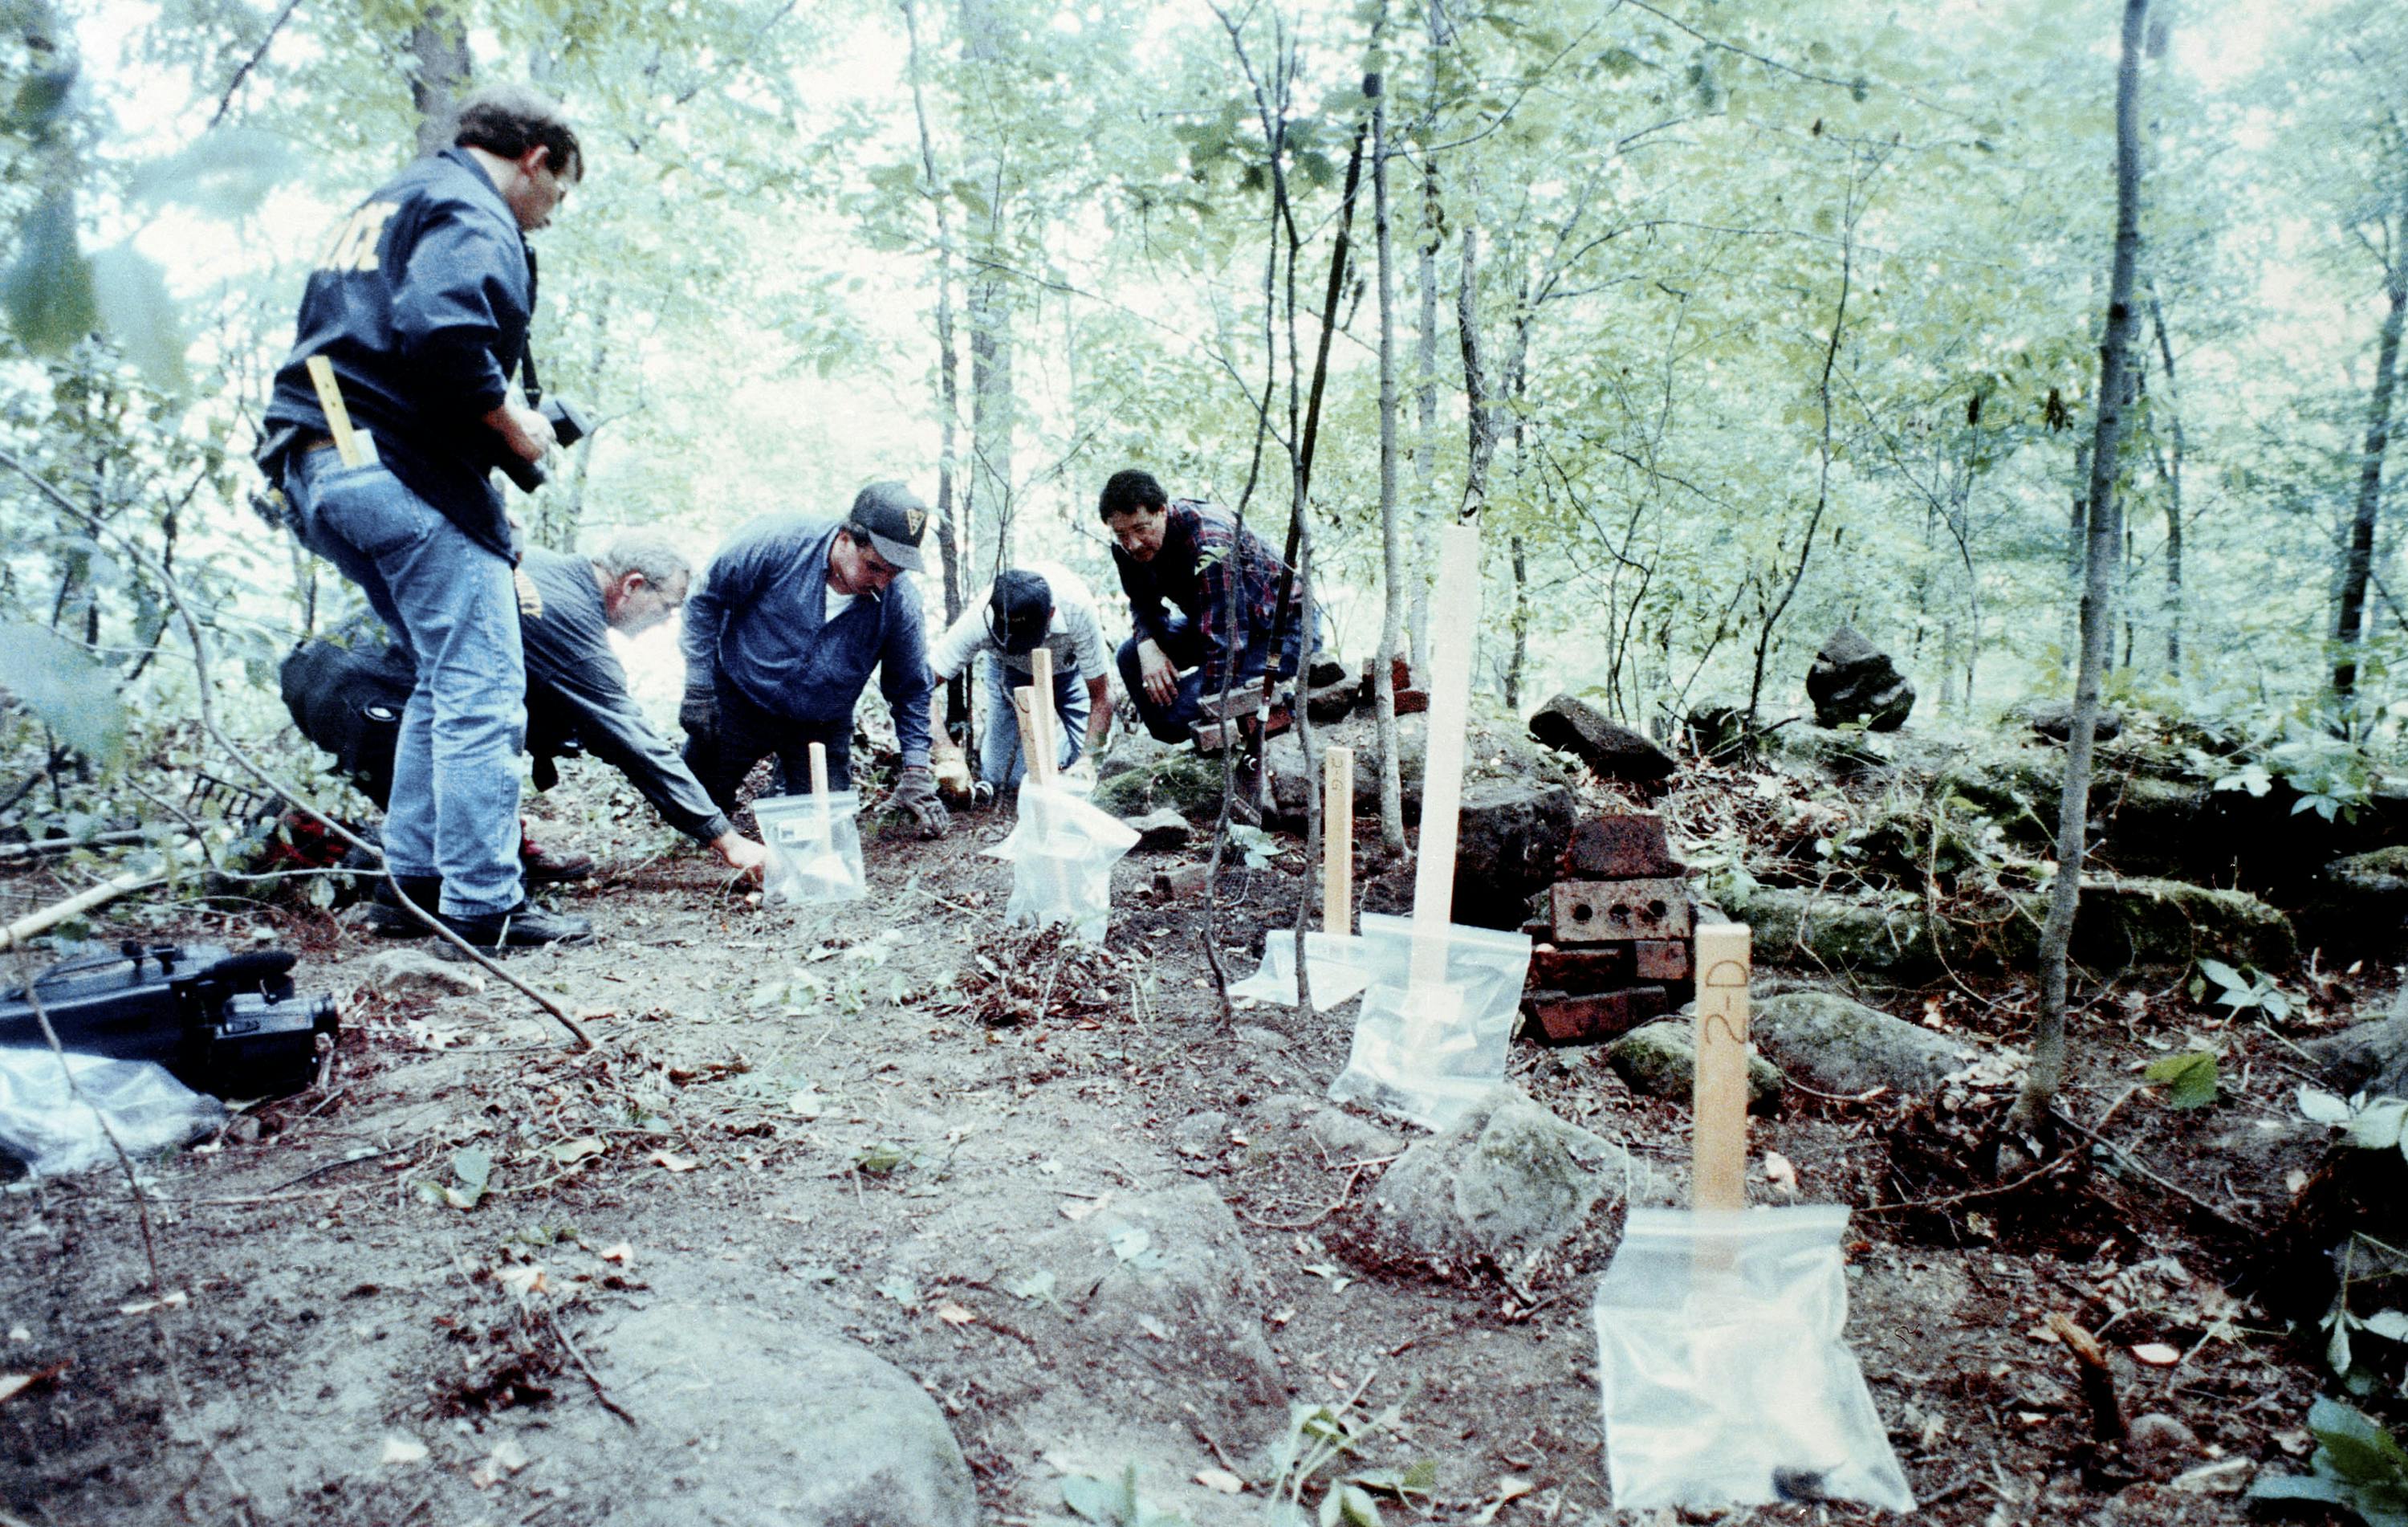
point(389, 919)
point(523, 926)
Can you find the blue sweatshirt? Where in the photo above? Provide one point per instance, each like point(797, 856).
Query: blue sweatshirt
point(758, 625)
point(421, 302)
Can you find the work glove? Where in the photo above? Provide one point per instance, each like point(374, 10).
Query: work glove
point(952, 773)
point(915, 791)
point(698, 713)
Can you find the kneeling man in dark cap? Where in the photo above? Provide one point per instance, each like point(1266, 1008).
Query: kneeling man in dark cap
point(779, 639)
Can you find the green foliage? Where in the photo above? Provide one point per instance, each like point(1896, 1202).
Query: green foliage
point(1114, 1501)
point(1309, 1452)
point(2252, 992)
point(59, 682)
point(2189, 1079)
point(2358, 1465)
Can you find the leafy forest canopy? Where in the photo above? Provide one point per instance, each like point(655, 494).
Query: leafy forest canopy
point(1734, 322)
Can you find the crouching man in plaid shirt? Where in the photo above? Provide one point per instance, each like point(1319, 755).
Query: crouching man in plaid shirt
point(1202, 594)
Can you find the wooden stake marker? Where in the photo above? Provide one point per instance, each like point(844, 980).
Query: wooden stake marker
point(1338, 840)
point(1044, 753)
point(1718, 1139)
point(824, 813)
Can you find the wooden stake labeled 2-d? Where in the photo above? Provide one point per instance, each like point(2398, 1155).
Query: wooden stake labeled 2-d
point(1718, 1111)
point(1338, 840)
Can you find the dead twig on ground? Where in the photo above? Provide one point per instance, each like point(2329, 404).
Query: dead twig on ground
point(1947, 1200)
point(2134, 1163)
point(551, 1323)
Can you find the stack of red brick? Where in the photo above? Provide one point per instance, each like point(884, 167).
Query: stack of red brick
point(1615, 944)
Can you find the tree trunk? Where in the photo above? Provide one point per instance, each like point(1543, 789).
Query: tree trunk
point(439, 48)
point(1479, 403)
point(1520, 628)
point(2359, 562)
point(950, 536)
point(2105, 543)
point(1392, 551)
point(993, 405)
point(2169, 469)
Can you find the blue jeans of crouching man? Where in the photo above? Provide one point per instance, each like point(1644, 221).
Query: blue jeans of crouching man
point(455, 768)
point(1175, 722)
point(1000, 761)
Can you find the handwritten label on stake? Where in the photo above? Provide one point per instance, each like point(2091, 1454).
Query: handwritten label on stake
point(1719, 1143)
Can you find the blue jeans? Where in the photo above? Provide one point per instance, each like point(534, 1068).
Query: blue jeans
point(1000, 763)
point(1175, 722)
point(455, 768)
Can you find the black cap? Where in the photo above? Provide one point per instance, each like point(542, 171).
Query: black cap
point(893, 519)
point(1019, 611)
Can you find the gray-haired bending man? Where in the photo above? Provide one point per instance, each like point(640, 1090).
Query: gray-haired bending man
point(344, 693)
point(567, 607)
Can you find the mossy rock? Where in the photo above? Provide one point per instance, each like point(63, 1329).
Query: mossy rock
point(2380, 871)
point(1811, 929)
point(1184, 781)
point(1660, 1060)
point(2126, 921)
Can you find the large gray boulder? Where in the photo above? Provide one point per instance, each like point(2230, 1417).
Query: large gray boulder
point(1833, 1044)
point(1164, 1278)
point(1854, 681)
point(743, 1422)
point(2367, 1057)
point(1502, 1189)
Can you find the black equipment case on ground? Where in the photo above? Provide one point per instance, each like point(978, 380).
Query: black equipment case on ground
point(222, 1023)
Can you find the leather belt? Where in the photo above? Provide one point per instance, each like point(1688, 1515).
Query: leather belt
point(313, 442)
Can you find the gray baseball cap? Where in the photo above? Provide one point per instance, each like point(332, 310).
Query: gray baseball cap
point(894, 519)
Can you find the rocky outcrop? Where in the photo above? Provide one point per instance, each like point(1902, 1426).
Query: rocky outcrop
point(1613, 750)
point(1502, 1189)
point(1660, 1060)
point(1852, 680)
point(1508, 835)
point(1833, 1044)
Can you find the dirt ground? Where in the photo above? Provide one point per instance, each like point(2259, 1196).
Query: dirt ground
point(861, 1120)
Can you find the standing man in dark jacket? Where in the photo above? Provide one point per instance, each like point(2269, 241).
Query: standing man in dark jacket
point(791, 617)
point(421, 303)
point(1202, 594)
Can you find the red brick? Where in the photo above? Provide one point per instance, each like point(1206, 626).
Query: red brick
point(1566, 1020)
point(1611, 911)
point(1620, 848)
point(1412, 701)
point(1591, 968)
point(1660, 960)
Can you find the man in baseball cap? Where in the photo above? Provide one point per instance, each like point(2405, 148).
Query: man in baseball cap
point(791, 615)
point(1039, 604)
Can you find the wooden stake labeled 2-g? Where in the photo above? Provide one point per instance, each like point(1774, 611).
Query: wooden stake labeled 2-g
point(1718, 1114)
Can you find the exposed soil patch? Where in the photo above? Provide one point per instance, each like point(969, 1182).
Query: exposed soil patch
point(903, 1123)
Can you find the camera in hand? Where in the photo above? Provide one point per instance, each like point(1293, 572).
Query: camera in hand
point(221, 1022)
point(567, 427)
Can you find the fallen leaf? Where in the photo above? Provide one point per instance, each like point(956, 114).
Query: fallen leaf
point(506, 1459)
point(1082, 1208)
point(401, 1449)
point(953, 1315)
point(1778, 1172)
point(14, 1384)
point(807, 1104)
point(1508, 1489)
point(1154, 1327)
point(1222, 1480)
point(146, 1306)
point(2157, 1354)
point(670, 1161)
point(1039, 1285)
point(566, 1151)
point(526, 1278)
point(623, 1254)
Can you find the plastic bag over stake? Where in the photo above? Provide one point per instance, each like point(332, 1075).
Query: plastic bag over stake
point(814, 845)
point(1425, 1050)
point(1718, 1328)
point(1062, 851)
